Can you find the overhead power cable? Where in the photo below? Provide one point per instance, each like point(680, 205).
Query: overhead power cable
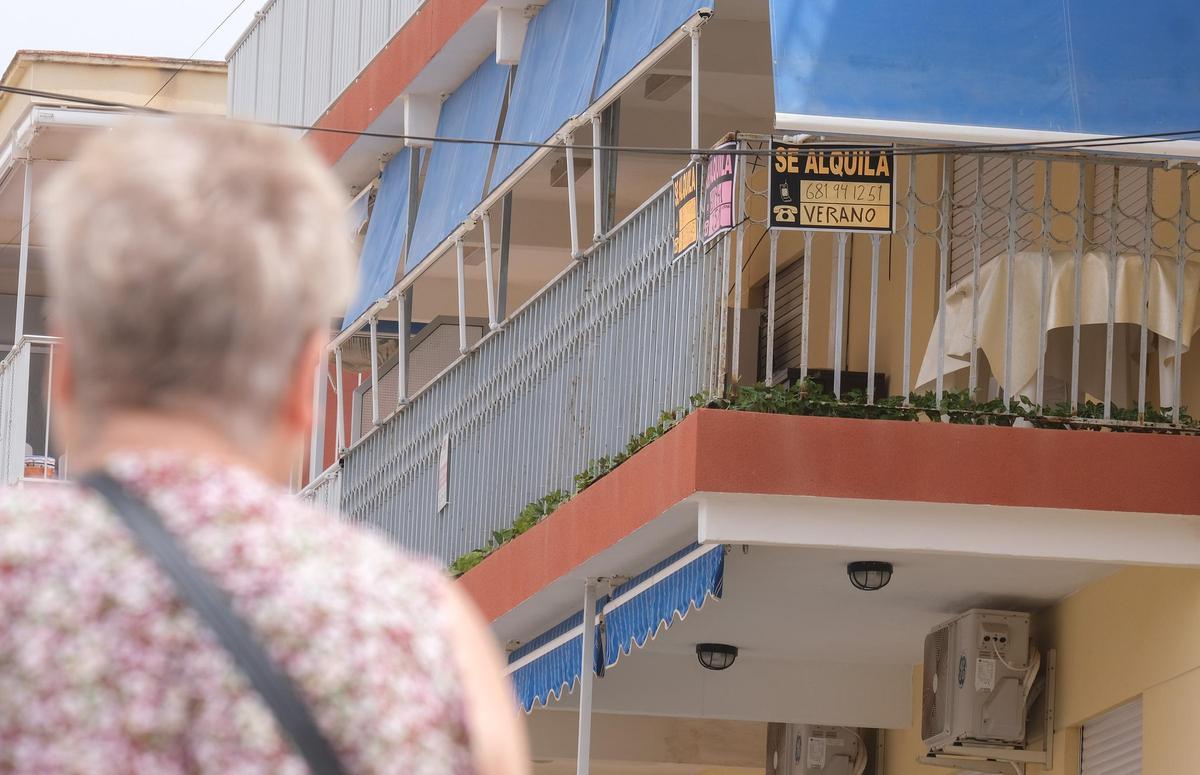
point(1067, 144)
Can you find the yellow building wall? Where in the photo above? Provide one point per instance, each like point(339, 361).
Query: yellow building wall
point(197, 88)
point(1133, 633)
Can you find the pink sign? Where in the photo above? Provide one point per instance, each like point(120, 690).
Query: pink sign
point(719, 190)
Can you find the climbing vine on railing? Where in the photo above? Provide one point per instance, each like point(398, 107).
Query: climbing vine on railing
point(807, 398)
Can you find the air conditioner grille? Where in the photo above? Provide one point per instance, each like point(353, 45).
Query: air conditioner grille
point(936, 676)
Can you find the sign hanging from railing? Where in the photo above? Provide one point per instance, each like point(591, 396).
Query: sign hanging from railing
point(687, 208)
point(832, 188)
point(720, 186)
point(443, 493)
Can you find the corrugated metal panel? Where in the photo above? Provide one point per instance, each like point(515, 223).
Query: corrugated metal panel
point(400, 13)
point(375, 29)
point(270, 38)
point(242, 99)
point(302, 54)
point(997, 182)
point(1112, 743)
point(347, 27)
point(291, 77)
point(317, 59)
point(789, 306)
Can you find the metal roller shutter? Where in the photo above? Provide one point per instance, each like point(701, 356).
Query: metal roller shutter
point(789, 306)
point(996, 175)
point(1112, 743)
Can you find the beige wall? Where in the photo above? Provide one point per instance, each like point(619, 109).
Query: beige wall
point(198, 88)
point(1133, 633)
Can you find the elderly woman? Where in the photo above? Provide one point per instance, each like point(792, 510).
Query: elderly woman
point(195, 267)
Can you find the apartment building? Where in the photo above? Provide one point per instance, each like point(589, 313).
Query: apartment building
point(39, 132)
point(729, 348)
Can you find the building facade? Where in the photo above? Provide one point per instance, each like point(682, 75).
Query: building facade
point(672, 312)
point(39, 132)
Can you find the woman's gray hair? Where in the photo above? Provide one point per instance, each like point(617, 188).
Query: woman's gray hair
point(189, 262)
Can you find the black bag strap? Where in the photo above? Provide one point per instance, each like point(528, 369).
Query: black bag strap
point(199, 592)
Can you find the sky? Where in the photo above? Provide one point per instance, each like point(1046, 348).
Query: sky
point(147, 27)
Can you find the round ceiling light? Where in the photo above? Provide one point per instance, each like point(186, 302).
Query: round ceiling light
point(716, 656)
point(869, 575)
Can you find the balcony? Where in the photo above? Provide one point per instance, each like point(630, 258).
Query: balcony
point(29, 454)
point(925, 324)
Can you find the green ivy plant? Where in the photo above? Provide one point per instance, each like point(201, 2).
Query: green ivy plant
point(807, 398)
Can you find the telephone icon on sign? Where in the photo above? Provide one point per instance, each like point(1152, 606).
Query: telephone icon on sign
point(785, 213)
point(785, 193)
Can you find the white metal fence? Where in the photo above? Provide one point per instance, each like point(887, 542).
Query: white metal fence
point(622, 334)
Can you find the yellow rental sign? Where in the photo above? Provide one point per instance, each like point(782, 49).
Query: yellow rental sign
point(831, 188)
point(687, 208)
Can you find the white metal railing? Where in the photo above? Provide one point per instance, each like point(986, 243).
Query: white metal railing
point(593, 359)
point(28, 450)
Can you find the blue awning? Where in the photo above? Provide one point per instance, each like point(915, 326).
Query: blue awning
point(549, 664)
point(384, 241)
point(633, 614)
point(651, 600)
point(454, 181)
point(636, 29)
point(554, 79)
point(1098, 67)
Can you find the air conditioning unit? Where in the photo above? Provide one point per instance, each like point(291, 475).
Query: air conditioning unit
point(811, 749)
point(976, 680)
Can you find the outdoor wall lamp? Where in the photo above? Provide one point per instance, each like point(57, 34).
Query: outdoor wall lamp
point(716, 656)
point(869, 575)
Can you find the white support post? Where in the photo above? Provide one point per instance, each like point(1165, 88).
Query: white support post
point(569, 142)
point(374, 370)
point(23, 271)
point(316, 451)
point(404, 326)
point(695, 35)
point(587, 675)
point(493, 324)
point(341, 407)
point(462, 298)
point(740, 227)
point(597, 181)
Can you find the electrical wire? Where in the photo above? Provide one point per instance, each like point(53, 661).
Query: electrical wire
point(1095, 141)
point(1030, 672)
point(191, 56)
point(144, 108)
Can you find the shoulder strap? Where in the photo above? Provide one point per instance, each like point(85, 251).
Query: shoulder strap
point(198, 591)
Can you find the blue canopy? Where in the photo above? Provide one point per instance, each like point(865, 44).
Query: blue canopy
point(631, 615)
point(457, 171)
point(637, 28)
point(385, 238)
point(549, 664)
point(1097, 67)
point(554, 79)
point(568, 61)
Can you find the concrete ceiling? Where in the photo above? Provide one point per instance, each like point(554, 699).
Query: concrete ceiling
point(812, 648)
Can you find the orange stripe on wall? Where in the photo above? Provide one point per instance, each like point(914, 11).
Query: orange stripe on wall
point(391, 71)
point(742, 452)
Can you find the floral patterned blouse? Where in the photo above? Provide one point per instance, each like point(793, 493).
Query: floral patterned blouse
point(102, 669)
